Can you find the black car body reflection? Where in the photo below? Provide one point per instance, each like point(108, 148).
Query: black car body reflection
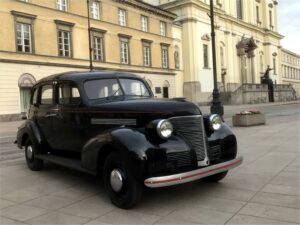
point(110, 123)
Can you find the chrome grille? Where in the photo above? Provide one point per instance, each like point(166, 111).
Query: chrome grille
point(181, 159)
point(214, 153)
point(190, 128)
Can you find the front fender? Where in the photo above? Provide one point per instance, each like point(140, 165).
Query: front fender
point(226, 140)
point(133, 144)
point(129, 142)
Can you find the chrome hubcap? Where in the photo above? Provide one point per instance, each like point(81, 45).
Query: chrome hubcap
point(116, 180)
point(29, 152)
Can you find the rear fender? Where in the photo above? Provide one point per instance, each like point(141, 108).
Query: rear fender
point(30, 129)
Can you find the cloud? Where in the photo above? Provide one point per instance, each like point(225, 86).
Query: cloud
point(289, 24)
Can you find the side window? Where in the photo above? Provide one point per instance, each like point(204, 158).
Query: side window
point(47, 95)
point(68, 94)
point(34, 98)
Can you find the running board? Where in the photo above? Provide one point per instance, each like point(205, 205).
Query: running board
point(74, 164)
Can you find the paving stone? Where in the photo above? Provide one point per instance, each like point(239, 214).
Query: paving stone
point(219, 204)
point(243, 220)
point(119, 216)
point(92, 207)
point(225, 191)
point(22, 212)
point(57, 218)
point(277, 199)
point(20, 196)
point(50, 202)
point(6, 221)
point(5, 203)
point(76, 193)
point(196, 215)
point(272, 212)
point(281, 189)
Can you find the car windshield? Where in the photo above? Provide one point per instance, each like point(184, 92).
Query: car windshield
point(105, 88)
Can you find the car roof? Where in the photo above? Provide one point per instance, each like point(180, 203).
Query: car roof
point(80, 76)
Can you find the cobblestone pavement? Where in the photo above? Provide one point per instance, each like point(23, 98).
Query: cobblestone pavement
point(265, 189)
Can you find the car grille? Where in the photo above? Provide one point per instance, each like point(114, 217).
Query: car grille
point(190, 128)
point(180, 159)
point(214, 153)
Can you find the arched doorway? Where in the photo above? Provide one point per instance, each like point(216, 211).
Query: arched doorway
point(166, 87)
point(25, 82)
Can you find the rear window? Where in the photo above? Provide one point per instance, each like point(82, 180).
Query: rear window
point(68, 94)
point(47, 94)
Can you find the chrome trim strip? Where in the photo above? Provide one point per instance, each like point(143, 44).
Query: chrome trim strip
point(100, 121)
point(164, 181)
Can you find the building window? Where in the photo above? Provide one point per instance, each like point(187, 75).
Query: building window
point(163, 28)
point(274, 66)
point(222, 57)
point(64, 36)
point(239, 9)
point(146, 53)
point(98, 47)
point(261, 59)
point(61, 5)
point(64, 43)
point(205, 56)
point(24, 31)
point(122, 17)
point(176, 58)
point(24, 37)
point(144, 23)
point(95, 9)
point(165, 56)
point(124, 50)
point(257, 15)
point(271, 19)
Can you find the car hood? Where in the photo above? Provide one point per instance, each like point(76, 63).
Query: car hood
point(147, 108)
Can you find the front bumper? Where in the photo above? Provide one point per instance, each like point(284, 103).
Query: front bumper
point(155, 182)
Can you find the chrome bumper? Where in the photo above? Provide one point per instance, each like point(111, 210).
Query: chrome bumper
point(155, 182)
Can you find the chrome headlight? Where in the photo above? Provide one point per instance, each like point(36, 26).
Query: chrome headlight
point(215, 122)
point(164, 129)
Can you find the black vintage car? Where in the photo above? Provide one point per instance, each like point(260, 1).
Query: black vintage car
point(109, 123)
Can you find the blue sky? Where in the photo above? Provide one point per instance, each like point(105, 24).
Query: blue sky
point(289, 24)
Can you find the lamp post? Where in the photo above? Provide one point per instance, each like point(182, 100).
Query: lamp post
point(89, 34)
point(216, 105)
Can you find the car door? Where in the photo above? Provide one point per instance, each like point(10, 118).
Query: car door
point(44, 112)
point(68, 124)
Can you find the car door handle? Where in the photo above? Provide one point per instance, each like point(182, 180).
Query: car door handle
point(51, 114)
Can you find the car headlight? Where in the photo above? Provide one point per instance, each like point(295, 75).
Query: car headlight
point(215, 122)
point(164, 129)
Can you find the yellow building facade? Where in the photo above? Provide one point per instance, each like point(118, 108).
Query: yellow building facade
point(247, 41)
point(39, 38)
point(290, 67)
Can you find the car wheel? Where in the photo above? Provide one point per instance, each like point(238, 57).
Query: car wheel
point(30, 151)
point(216, 177)
point(123, 188)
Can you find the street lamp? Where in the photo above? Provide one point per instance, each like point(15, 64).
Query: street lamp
point(216, 105)
point(89, 32)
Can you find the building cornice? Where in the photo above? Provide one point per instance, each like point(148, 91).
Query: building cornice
point(219, 12)
point(22, 14)
point(290, 52)
point(72, 64)
point(149, 8)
